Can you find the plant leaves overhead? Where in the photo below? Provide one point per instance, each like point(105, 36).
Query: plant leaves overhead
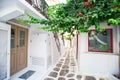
point(80, 15)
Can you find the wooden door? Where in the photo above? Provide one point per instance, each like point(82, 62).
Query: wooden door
point(22, 49)
point(18, 49)
point(13, 57)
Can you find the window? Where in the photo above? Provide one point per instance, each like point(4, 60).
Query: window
point(12, 38)
point(22, 38)
point(100, 41)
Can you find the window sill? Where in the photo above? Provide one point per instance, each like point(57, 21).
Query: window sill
point(102, 53)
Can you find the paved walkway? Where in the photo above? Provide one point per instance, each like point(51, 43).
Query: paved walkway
point(66, 69)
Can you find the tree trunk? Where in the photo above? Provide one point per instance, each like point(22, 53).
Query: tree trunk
point(77, 46)
point(119, 58)
point(70, 43)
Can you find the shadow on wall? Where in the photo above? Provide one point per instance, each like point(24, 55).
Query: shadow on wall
point(57, 41)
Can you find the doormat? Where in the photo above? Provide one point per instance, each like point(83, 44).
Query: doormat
point(27, 74)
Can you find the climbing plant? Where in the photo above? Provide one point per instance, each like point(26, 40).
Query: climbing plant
point(79, 15)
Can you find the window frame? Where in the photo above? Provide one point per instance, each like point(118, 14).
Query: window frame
point(111, 42)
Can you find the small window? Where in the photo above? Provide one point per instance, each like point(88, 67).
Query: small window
point(100, 41)
point(12, 38)
point(22, 38)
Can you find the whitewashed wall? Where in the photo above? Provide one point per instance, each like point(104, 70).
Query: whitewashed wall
point(96, 62)
point(62, 45)
point(5, 33)
point(118, 30)
point(42, 45)
point(55, 53)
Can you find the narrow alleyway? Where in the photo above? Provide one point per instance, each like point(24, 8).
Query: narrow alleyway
point(66, 69)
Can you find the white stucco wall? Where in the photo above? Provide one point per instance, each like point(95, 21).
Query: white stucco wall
point(62, 46)
point(5, 36)
point(55, 53)
point(97, 62)
point(16, 8)
point(43, 47)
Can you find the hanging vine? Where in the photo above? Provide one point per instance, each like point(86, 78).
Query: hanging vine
point(79, 15)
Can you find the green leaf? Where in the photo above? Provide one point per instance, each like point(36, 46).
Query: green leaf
point(80, 14)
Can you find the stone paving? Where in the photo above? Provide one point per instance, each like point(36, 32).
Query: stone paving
point(66, 69)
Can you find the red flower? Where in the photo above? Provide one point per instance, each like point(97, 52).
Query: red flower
point(87, 3)
point(80, 14)
point(115, 6)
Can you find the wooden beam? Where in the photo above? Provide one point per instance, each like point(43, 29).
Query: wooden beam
point(29, 1)
point(39, 10)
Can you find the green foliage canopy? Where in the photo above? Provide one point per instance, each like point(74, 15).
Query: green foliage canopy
point(80, 15)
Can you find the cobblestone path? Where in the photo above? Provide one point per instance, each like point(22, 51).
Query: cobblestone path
point(66, 69)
